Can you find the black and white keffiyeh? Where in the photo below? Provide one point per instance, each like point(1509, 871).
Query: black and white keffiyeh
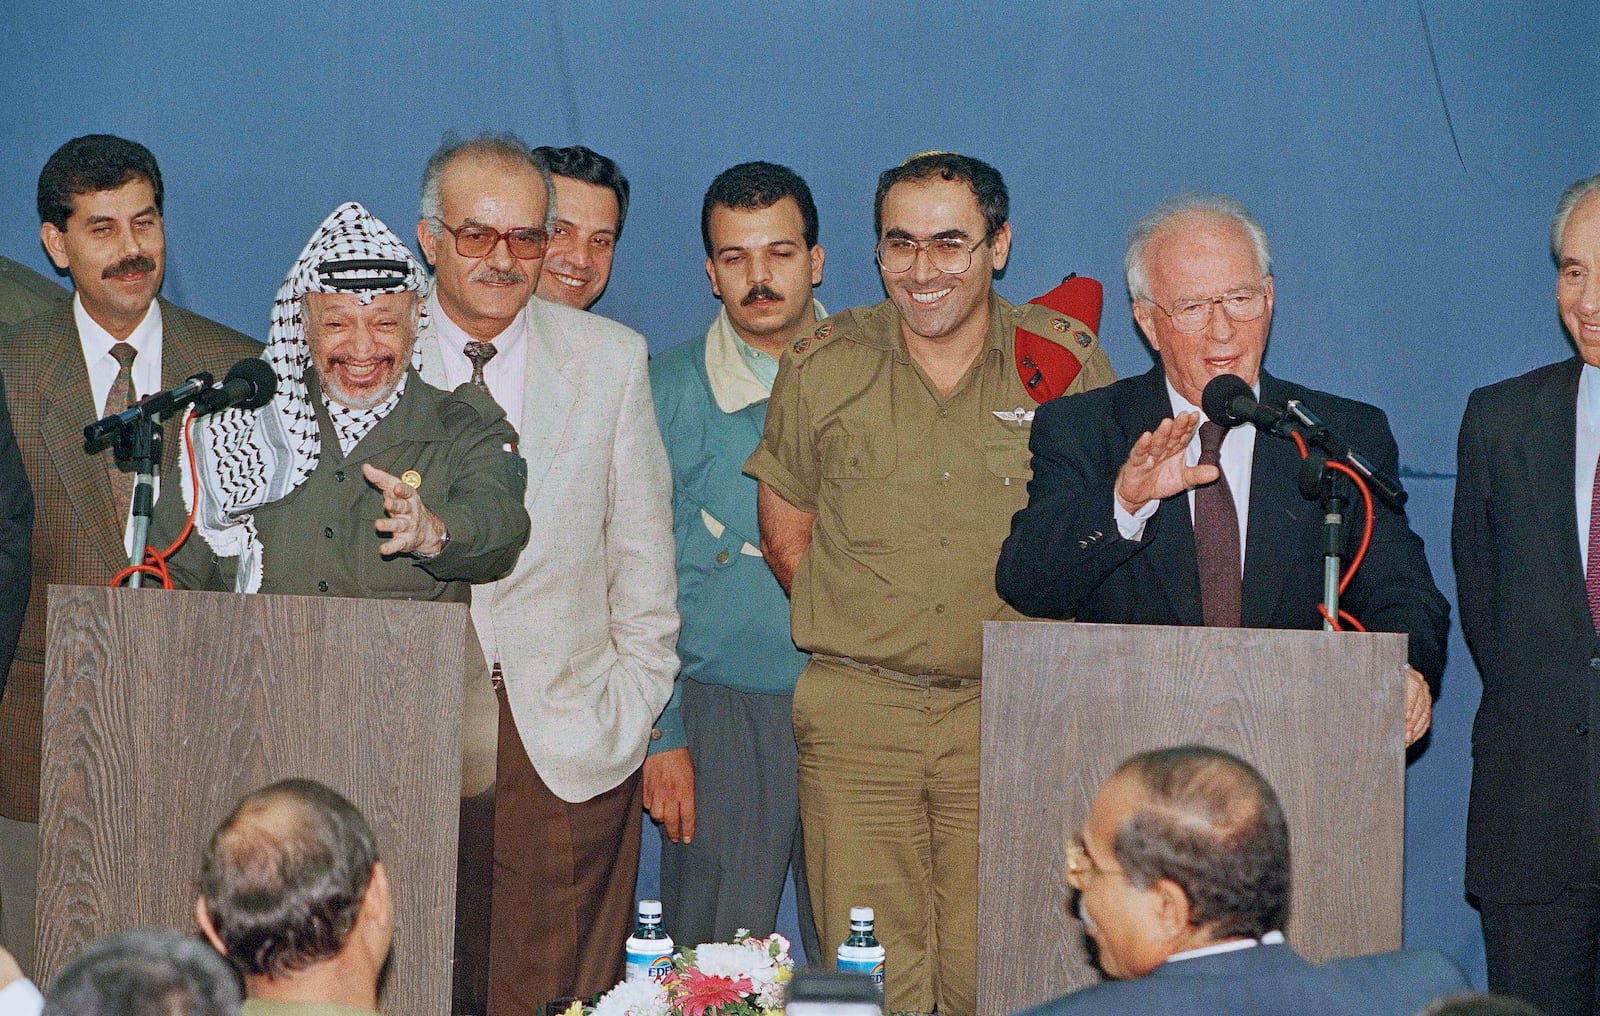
point(249, 458)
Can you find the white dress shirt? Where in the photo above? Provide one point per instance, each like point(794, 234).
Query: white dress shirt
point(503, 374)
point(1270, 938)
point(21, 998)
point(1237, 459)
point(103, 367)
point(1588, 448)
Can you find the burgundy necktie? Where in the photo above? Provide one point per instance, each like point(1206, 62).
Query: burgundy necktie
point(1591, 571)
point(1216, 537)
point(120, 397)
point(479, 353)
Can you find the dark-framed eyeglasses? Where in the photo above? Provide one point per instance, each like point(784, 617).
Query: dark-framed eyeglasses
point(526, 243)
point(1193, 315)
point(948, 254)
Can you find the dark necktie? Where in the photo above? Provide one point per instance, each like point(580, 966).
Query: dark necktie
point(1216, 537)
point(1591, 572)
point(479, 353)
point(120, 397)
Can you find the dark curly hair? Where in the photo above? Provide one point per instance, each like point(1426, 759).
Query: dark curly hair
point(94, 162)
point(986, 183)
point(756, 185)
point(284, 876)
point(1213, 825)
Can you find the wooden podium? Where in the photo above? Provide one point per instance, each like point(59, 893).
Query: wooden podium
point(162, 708)
point(1320, 714)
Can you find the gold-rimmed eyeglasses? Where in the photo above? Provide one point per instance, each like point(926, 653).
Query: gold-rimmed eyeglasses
point(1081, 868)
point(949, 254)
point(1192, 315)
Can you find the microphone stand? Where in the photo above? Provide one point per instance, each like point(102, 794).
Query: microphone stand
point(1318, 482)
point(139, 442)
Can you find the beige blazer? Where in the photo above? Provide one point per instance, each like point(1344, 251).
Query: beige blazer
point(587, 623)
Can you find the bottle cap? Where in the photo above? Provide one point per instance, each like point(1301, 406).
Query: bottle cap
point(859, 914)
point(649, 908)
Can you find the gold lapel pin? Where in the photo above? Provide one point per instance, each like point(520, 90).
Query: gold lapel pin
point(412, 478)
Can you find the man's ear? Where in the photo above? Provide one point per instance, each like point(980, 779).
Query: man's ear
point(202, 917)
point(711, 274)
point(818, 256)
point(1146, 321)
point(1001, 246)
point(54, 244)
point(427, 242)
point(375, 904)
point(1172, 908)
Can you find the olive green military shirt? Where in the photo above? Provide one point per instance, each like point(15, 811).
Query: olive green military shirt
point(24, 292)
point(913, 491)
point(318, 540)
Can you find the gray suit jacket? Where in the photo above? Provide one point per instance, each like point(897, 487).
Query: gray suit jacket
point(587, 622)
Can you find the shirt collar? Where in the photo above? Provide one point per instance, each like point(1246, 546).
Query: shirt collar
point(734, 383)
point(1589, 394)
point(1001, 328)
point(1270, 938)
point(97, 342)
point(453, 338)
point(1183, 405)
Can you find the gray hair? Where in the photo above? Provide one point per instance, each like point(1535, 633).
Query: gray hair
point(146, 973)
point(1569, 200)
point(503, 147)
point(1188, 204)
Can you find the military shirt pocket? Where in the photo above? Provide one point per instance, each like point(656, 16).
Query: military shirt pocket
point(855, 468)
point(1009, 459)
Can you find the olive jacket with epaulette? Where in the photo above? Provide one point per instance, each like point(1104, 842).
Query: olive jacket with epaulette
point(319, 541)
point(913, 490)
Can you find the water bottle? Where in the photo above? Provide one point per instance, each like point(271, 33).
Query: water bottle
point(649, 947)
point(862, 953)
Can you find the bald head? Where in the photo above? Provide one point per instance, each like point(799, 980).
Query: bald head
point(285, 876)
point(1209, 822)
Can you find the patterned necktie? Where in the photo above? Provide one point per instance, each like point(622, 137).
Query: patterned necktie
point(479, 353)
point(1216, 537)
point(120, 397)
point(1591, 571)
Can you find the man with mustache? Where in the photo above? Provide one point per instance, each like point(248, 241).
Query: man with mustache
point(894, 454)
point(720, 779)
point(591, 203)
point(580, 635)
point(100, 205)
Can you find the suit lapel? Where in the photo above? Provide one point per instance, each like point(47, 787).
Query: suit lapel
point(1171, 552)
point(548, 394)
point(1277, 517)
point(1551, 448)
point(68, 406)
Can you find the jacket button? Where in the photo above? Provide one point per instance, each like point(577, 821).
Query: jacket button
point(327, 531)
point(339, 476)
point(723, 557)
point(655, 734)
point(322, 586)
point(1594, 662)
point(1581, 729)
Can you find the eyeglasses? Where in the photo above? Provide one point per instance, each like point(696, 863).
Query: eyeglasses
point(1193, 315)
point(1081, 868)
point(526, 243)
point(949, 254)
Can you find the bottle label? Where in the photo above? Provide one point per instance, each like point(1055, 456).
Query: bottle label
point(653, 964)
point(873, 968)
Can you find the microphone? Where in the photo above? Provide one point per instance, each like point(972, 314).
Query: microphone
point(250, 384)
point(147, 408)
point(1228, 401)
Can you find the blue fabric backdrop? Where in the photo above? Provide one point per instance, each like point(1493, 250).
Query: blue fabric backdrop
point(1404, 158)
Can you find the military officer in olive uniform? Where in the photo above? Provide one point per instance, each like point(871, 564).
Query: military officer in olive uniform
point(894, 454)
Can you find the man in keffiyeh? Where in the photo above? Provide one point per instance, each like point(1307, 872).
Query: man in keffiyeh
point(359, 479)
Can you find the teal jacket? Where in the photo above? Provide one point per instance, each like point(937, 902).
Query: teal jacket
point(735, 615)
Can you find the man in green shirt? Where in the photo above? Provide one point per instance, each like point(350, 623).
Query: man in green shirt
point(293, 894)
point(894, 455)
point(24, 292)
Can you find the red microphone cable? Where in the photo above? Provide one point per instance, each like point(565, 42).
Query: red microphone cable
point(1361, 550)
point(155, 561)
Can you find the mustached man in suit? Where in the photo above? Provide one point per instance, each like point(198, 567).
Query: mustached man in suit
point(1182, 872)
point(100, 212)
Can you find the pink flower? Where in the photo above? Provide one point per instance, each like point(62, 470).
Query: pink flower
point(697, 994)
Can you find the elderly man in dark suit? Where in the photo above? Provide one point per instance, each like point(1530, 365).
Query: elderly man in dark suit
point(1182, 872)
point(100, 208)
point(1528, 582)
point(1138, 513)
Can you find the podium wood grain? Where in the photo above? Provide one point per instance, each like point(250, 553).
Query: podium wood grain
point(163, 708)
point(1320, 714)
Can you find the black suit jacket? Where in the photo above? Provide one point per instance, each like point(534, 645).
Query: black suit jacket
point(1273, 980)
point(1525, 614)
point(1065, 559)
point(16, 539)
